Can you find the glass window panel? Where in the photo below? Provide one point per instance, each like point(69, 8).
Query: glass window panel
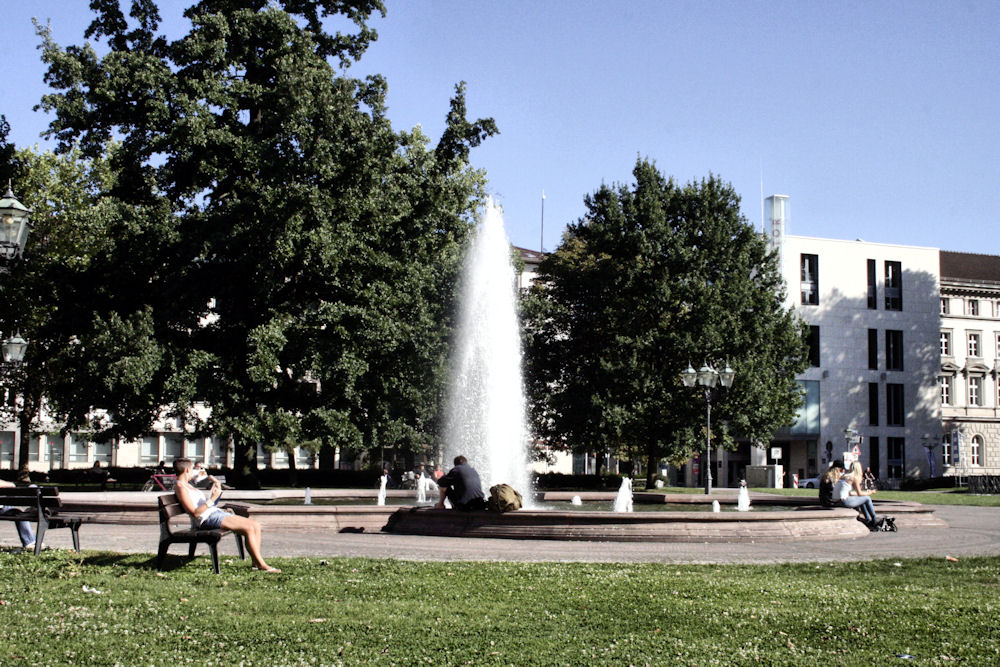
point(149, 450)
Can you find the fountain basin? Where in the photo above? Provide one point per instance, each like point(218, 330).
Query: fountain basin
point(776, 526)
point(807, 522)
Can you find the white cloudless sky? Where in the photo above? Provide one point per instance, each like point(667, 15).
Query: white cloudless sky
point(881, 120)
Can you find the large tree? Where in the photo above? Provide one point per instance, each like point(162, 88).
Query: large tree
point(653, 277)
point(285, 253)
point(46, 300)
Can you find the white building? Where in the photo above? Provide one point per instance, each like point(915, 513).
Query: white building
point(872, 310)
point(969, 380)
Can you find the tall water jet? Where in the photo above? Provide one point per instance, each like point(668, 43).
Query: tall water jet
point(486, 408)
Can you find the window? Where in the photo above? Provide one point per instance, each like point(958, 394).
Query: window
point(173, 446)
point(893, 350)
point(893, 286)
point(975, 388)
point(149, 450)
point(54, 450)
point(998, 346)
point(7, 448)
point(946, 450)
point(873, 403)
point(974, 344)
point(976, 451)
point(873, 349)
point(219, 452)
point(894, 404)
point(196, 450)
point(945, 305)
point(77, 448)
point(813, 343)
point(874, 454)
point(944, 382)
point(872, 286)
point(946, 343)
point(303, 458)
point(894, 460)
point(972, 307)
point(102, 452)
point(810, 279)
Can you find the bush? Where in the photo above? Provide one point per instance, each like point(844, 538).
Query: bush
point(557, 481)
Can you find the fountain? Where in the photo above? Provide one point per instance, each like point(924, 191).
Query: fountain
point(383, 482)
point(423, 486)
point(623, 501)
point(743, 498)
point(485, 420)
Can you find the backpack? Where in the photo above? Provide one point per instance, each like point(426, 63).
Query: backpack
point(888, 525)
point(504, 498)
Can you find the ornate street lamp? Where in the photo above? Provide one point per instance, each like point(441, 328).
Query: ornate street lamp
point(14, 349)
point(14, 227)
point(707, 377)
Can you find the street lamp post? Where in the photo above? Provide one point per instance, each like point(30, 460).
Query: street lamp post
point(707, 377)
point(14, 227)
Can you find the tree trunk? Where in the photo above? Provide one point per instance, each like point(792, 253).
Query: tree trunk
point(24, 419)
point(245, 466)
point(327, 457)
point(651, 460)
point(293, 471)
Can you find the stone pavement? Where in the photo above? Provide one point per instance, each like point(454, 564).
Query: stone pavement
point(971, 531)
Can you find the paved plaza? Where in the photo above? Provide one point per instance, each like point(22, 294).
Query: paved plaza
point(971, 531)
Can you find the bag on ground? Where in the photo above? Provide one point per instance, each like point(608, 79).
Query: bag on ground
point(504, 498)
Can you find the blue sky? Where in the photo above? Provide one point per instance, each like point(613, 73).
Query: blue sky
point(881, 120)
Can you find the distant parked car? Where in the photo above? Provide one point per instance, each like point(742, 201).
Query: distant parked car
point(809, 483)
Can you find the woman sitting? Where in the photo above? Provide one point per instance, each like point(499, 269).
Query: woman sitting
point(848, 492)
point(205, 515)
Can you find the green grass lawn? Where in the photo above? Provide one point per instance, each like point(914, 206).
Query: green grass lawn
point(353, 611)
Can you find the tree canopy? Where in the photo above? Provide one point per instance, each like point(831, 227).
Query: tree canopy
point(279, 251)
point(656, 276)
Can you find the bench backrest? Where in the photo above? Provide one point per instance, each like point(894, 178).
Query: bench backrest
point(169, 508)
point(43, 498)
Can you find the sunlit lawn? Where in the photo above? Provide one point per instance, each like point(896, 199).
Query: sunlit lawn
point(351, 611)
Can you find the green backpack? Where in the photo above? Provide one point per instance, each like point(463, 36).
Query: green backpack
point(504, 498)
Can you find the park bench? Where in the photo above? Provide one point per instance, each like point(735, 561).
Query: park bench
point(170, 508)
point(43, 507)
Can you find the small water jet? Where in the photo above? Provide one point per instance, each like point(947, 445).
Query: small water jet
point(623, 501)
point(486, 408)
point(424, 484)
point(383, 482)
point(743, 498)
point(307, 498)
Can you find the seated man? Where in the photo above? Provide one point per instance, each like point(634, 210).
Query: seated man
point(462, 487)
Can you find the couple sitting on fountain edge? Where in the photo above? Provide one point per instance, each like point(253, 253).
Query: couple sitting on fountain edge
point(462, 487)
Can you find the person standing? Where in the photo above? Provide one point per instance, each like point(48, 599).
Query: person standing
point(462, 487)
